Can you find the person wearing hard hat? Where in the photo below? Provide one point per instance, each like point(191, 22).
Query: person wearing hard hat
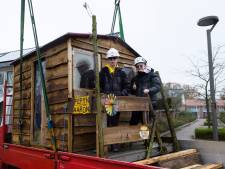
point(144, 83)
point(113, 81)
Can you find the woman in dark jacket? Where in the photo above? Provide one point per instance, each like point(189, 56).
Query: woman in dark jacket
point(143, 84)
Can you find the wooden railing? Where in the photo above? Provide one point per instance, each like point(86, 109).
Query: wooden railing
point(124, 133)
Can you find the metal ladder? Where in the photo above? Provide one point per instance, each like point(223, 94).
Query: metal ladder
point(7, 121)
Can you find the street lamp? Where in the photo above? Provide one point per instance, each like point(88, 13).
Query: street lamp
point(211, 21)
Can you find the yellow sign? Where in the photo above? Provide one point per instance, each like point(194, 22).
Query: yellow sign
point(81, 105)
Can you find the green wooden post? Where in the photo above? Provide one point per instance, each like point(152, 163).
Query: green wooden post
point(169, 119)
point(151, 138)
point(154, 131)
point(99, 127)
point(162, 148)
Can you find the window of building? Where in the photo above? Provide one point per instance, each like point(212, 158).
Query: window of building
point(83, 69)
point(10, 77)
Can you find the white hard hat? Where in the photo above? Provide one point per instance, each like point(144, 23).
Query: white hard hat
point(139, 60)
point(112, 52)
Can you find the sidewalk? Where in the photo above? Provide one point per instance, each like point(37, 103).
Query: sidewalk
point(186, 132)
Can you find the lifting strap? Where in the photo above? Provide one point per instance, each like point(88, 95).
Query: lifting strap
point(117, 8)
point(48, 114)
point(47, 110)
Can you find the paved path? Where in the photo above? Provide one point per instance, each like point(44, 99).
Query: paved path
point(187, 133)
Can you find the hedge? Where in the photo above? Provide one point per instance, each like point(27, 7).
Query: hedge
point(222, 116)
point(207, 133)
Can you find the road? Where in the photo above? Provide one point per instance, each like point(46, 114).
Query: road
point(187, 133)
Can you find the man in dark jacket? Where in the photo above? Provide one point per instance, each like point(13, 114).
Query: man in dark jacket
point(144, 83)
point(113, 81)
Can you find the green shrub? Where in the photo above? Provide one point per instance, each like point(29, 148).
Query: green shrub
point(222, 116)
point(207, 133)
point(183, 118)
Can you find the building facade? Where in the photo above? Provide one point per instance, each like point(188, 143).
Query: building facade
point(198, 107)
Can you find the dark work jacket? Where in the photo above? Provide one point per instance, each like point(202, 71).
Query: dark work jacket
point(146, 81)
point(116, 83)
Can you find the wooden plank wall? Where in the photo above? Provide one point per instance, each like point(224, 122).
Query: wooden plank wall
point(84, 125)
point(26, 106)
point(57, 90)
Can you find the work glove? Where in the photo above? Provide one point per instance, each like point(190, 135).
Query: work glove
point(134, 86)
point(146, 91)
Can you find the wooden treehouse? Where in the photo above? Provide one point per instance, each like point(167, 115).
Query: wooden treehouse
point(72, 104)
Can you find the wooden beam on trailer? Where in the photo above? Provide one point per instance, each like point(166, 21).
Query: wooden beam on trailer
point(167, 157)
point(192, 166)
point(211, 166)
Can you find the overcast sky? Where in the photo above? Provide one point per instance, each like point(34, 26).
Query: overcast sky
point(163, 31)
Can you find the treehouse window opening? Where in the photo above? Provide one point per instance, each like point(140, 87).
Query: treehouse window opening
point(39, 107)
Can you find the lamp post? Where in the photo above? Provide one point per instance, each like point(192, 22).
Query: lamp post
point(211, 21)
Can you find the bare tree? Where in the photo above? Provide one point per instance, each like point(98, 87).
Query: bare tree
point(222, 94)
point(190, 92)
point(201, 72)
